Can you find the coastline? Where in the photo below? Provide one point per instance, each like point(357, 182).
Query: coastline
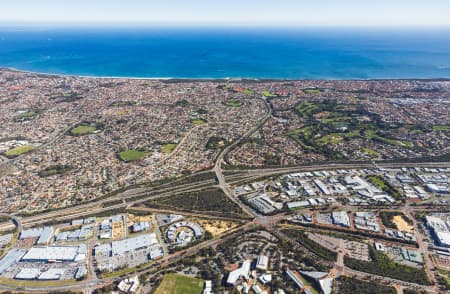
point(224, 79)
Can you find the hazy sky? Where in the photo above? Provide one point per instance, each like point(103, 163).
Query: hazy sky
point(233, 12)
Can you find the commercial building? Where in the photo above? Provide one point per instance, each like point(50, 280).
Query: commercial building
point(27, 274)
point(121, 247)
point(208, 287)
point(172, 235)
point(297, 204)
point(439, 229)
point(323, 188)
point(412, 256)
point(262, 262)
point(340, 218)
point(140, 227)
point(264, 204)
point(52, 274)
point(243, 271)
point(81, 272)
point(132, 244)
point(84, 233)
point(156, 252)
point(129, 285)
point(43, 235)
point(55, 254)
point(5, 239)
point(321, 279)
point(438, 189)
point(10, 258)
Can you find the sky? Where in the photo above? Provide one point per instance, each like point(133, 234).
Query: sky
point(231, 12)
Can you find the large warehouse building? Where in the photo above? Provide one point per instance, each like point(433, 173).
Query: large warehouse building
point(56, 254)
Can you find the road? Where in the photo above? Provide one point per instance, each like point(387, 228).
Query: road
point(222, 183)
point(423, 246)
point(268, 222)
point(134, 196)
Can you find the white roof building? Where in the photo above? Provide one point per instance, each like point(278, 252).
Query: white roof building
point(56, 253)
point(52, 274)
point(131, 244)
point(129, 285)
point(243, 271)
point(440, 230)
point(295, 204)
point(340, 218)
point(262, 262)
point(27, 274)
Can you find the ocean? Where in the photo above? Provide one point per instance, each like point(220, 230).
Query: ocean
point(281, 53)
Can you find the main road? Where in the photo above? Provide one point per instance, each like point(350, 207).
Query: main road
point(134, 196)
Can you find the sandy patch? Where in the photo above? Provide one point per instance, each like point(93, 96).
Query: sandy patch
point(217, 227)
point(402, 225)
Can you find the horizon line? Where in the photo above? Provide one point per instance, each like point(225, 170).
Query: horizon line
point(148, 24)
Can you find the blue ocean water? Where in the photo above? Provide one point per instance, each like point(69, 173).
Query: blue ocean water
point(219, 52)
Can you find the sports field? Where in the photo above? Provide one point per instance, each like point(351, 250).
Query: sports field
point(19, 150)
point(83, 130)
point(198, 121)
point(132, 155)
point(179, 284)
point(233, 103)
point(168, 148)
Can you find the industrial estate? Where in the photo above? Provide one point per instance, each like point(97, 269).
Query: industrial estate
point(223, 186)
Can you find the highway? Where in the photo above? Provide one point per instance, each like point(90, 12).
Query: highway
point(224, 179)
point(268, 222)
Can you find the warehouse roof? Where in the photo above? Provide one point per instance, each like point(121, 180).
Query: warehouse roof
point(28, 274)
point(126, 245)
point(59, 253)
point(52, 274)
point(10, 258)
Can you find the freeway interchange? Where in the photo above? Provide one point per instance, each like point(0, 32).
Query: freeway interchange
point(224, 179)
point(270, 223)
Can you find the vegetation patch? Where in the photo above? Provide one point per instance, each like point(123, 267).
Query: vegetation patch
point(85, 129)
point(444, 276)
point(248, 91)
point(306, 109)
point(133, 155)
point(391, 220)
point(373, 136)
point(179, 284)
point(207, 200)
point(317, 249)
point(26, 116)
point(54, 170)
point(312, 91)
point(328, 124)
point(216, 143)
point(379, 182)
point(372, 153)
point(352, 286)
point(199, 121)
point(216, 227)
point(271, 158)
point(306, 138)
point(168, 148)
point(66, 97)
point(268, 94)
point(123, 103)
point(382, 265)
point(182, 103)
point(441, 128)
point(233, 103)
point(19, 150)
